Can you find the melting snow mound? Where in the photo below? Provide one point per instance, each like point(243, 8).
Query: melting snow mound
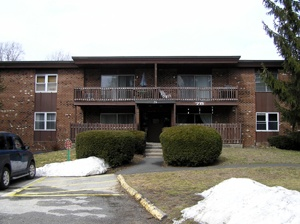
point(77, 168)
point(242, 200)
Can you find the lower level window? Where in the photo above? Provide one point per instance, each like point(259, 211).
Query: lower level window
point(117, 118)
point(45, 121)
point(202, 118)
point(267, 121)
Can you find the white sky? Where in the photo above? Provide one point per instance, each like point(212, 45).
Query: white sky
point(138, 28)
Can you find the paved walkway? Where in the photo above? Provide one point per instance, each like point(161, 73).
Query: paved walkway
point(148, 165)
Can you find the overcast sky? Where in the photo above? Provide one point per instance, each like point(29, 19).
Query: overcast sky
point(138, 28)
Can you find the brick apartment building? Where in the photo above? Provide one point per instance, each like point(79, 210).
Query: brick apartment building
point(46, 102)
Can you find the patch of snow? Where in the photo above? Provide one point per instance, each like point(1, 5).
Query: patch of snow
point(77, 168)
point(242, 200)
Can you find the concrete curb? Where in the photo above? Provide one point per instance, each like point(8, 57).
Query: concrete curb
point(152, 209)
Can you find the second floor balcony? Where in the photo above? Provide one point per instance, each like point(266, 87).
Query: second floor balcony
point(121, 94)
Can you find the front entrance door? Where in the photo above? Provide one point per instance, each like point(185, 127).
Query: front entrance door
point(155, 126)
point(153, 119)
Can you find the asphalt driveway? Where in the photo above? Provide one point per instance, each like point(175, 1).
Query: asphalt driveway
point(94, 199)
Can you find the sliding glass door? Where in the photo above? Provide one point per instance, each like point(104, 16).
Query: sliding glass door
point(202, 84)
point(111, 82)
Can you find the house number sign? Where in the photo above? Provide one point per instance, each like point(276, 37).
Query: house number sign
point(199, 103)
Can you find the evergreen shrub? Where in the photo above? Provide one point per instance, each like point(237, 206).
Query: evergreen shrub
point(291, 141)
point(190, 145)
point(140, 142)
point(115, 147)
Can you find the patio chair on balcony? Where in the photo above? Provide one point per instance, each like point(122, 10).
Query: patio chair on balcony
point(89, 96)
point(164, 95)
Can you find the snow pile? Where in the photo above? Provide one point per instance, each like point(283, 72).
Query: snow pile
point(242, 200)
point(77, 168)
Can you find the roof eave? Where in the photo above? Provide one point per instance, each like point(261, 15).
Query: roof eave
point(81, 61)
point(37, 64)
point(260, 63)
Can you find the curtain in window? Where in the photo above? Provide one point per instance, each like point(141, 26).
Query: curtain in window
point(206, 118)
point(52, 83)
point(40, 83)
point(203, 81)
point(125, 81)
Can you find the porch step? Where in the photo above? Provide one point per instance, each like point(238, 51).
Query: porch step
point(153, 149)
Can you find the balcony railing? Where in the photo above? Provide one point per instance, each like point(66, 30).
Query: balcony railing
point(231, 133)
point(156, 93)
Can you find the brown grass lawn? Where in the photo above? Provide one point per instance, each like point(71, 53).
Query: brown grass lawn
point(174, 191)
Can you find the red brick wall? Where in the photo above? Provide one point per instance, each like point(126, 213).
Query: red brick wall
point(68, 80)
point(18, 103)
point(244, 79)
point(167, 78)
point(17, 113)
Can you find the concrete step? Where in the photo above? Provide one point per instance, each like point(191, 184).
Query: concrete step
point(153, 149)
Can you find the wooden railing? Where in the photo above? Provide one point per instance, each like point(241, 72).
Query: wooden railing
point(78, 128)
point(230, 133)
point(156, 93)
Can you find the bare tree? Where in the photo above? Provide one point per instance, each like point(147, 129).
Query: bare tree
point(11, 51)
point(59, 56)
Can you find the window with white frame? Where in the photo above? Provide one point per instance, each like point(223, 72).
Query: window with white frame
point(267, 121)
point(46, 83)
point(45, 121)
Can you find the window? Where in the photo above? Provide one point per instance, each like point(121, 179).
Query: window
point(194, 118)
point(117, 118)
point(117, 81)
point(260, 85)
point(46, 83)
point(267, 121)
point(45, 121)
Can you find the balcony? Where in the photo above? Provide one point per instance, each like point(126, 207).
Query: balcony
point(121, 94)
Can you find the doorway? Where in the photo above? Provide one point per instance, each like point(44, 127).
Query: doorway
point(154, 118)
